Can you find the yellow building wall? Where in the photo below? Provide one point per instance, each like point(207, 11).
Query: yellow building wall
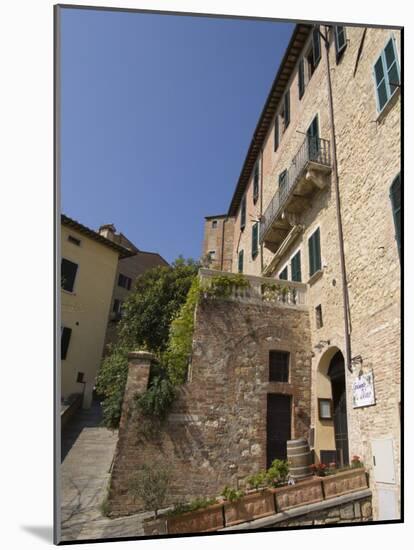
point(85, 311)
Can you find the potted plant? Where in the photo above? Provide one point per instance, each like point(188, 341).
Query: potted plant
point(346, 481)
point(240, 507)
point(199, 516)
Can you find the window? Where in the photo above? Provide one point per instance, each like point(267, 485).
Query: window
point(313, 139)
point(65, 335)
point(286, 110)
point(295, 268)
point(214, 224)
point(283, 184)
point(340, 41)
point(255, 240)
point(318, 316)
point(256, 183)
point(395, 195)
point(68, 274)
point(278, 366)
point(243, 214)
point(276, 132)
point(240, 261)
point(314, 243)
point(211, 255)
point(284, 274)
point(301, 78)
point(386, 74)
point(316, 46)
point(74, 240)
point(117, 307)
point(124, 281)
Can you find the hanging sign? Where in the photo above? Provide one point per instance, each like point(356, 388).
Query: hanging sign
point(363, 390)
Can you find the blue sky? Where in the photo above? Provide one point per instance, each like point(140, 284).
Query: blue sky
point(157, 116)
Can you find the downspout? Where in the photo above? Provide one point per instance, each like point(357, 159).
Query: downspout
point(261, 209)
point(338, 211)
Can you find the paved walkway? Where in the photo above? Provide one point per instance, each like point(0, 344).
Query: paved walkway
point(87, 453)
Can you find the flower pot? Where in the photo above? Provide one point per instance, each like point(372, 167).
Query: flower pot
point(303, 492)
point(199, 521)
point(252, 506)
point(351, 480)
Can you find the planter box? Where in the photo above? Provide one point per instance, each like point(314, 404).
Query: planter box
point(344, 482)
point(303, 492)
point(200, 521)
point(252, 506)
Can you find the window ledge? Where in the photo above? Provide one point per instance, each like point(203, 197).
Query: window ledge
point(388, 106)
point(315, 277)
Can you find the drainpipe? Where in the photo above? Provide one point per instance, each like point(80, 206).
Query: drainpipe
point(338, 211)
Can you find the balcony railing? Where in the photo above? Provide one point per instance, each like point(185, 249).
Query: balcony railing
point(260, 290)
point(313, 152)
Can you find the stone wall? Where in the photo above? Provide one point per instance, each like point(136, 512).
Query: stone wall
point(215, 434)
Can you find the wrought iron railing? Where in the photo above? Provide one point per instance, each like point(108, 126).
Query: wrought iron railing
point(313, 149)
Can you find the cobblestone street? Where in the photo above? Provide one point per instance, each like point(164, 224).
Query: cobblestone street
point(87, 452)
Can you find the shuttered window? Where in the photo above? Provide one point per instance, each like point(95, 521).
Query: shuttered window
point(64, 341)
point(256, 183)
point(255, 240)
point(282, 184)
point(68, 274)
point(313, 139)
point(276, 132)
point(240, 261)
point(314, 244)
point(278, 366)
point(284, 274)
point(340, 41)
point(386, 74)
point(243, 214)
point(286, 109)
point(395, 195)
point(316, 46)
point(295, 268)
point(301, 78)
point(124, 281)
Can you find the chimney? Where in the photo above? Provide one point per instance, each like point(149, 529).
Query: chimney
point(108, 231)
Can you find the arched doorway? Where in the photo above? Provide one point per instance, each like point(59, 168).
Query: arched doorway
point(336, 373)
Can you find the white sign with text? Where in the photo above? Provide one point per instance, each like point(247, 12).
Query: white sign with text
point(363, 393)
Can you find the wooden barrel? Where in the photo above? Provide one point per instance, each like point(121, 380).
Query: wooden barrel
point(299, 458)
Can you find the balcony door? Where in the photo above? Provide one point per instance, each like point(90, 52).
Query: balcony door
point(313, 139)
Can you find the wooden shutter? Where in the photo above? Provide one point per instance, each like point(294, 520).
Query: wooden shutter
point(340, 41)
point(282, 184)
point(301, 78)
point(314, 244)
point(395, 195)
point(276, 132)
point(64, 342)
point(243, 214)
point(296, 268)
point(316, 45)
point(287, 108)
point(240, 262)
point(68, 274)
point(256, 183)
point(284, 274)
point(391, 64)
point(255, 240)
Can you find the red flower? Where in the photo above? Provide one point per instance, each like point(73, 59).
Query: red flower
point(355, 458)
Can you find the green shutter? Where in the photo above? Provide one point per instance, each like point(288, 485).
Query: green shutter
point(276, 132)
point(340, 41)
point(243, 214)
point(255, 240)
point(314, 244)
point(395, 195)
point(301, 80)
point(287, 108)
point(256, 183)
point(240, 263)
point(316, 45)
point(284, 274)
point(296, 268)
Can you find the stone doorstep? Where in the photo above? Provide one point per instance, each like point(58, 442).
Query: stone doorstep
point(270, 521)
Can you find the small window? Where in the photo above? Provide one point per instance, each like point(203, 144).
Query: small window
point(314, 244)
point(243, 214)
point(65, 335)
point(117, 306)
point(211, 255)
point(124, 281)
point(68, 274)
point(255, 240)
point(295, 268)
point(284, 274)
point(340, 41)
point(276, 130)
point(278, 366)
point(318, 316)
point(214, 224)
point(286, 110)
point(74, 240)
point(301, 77)
point(386, 74)
point(240, 261)
point(283, 186)
point(316, 46)
point(256, 183)
point(325, 409)
point(80, 378)
point(395, 195)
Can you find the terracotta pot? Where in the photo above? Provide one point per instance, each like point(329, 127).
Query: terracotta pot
point(303, 492)
point(252, 506)
point(351, 480)
point(199, 521)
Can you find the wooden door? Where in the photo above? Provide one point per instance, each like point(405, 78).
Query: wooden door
point(279, 418)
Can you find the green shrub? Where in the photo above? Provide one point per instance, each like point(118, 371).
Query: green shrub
point(257, 480)
point(197, 504)
point(151, 483)
point(157, 399)
point(231, 494)
point(222, 286)
point(277, 473)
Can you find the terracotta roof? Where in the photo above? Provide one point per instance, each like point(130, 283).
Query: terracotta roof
point(69, 222)
point(287, 65)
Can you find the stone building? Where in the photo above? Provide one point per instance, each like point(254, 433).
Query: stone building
point(314, 222)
